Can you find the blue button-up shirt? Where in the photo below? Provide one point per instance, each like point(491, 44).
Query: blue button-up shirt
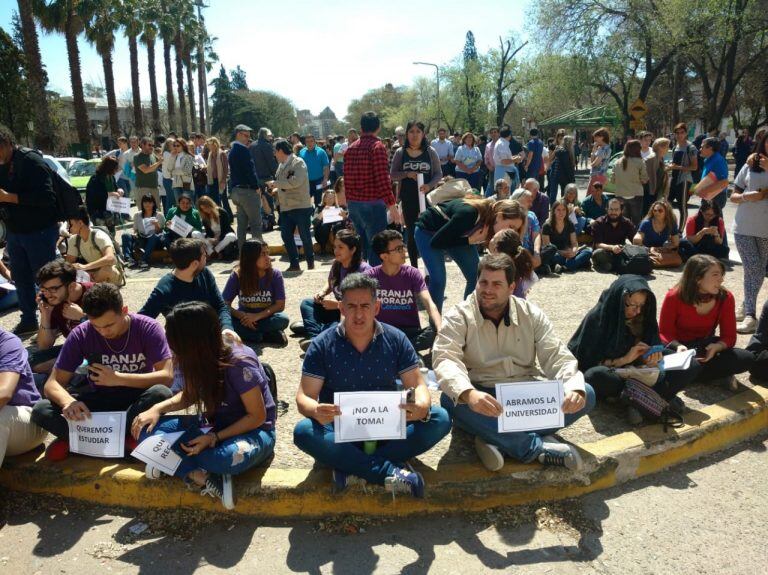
point(332, 358)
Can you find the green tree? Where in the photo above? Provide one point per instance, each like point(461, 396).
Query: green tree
point(473, 78)
point(130, 18)
point(223, 103)
point(151, 13)
point(505, 71)
point(101, 25)
point(263, 108)
point(238, 81)
point(15, 107)
point(168, 33)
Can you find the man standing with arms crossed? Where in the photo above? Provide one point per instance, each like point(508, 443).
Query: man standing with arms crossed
point(368, 186)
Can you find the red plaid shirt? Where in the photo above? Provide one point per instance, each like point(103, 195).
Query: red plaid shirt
point(366, 173)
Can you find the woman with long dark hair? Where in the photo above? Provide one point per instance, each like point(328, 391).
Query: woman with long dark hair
point(148, 226)
point(659, 232)
point(230, 391)
point(101, 186)
point(319, 312)
point(705, 232)
point(181, 172)
point(415, 158)
point(695, 310)
point(559, 245)
point(260, 291)
point(508, 242)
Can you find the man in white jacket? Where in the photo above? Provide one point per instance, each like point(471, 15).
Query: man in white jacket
point(493, 337)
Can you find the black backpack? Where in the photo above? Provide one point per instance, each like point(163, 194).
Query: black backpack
point(635, 260)
point(68, 199)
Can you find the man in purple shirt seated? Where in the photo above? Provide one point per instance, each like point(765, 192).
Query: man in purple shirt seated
point(129, 368)
point(540, 203)
point(399, 286)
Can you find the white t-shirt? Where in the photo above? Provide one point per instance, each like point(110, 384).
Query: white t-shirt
point(646, 154)
point(751, 217)
point(501, 151)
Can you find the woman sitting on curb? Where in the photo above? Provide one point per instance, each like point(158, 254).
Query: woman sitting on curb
point(705, 232)
point(219, 235)
point(694, 310)
point(659, 232)
point(559, 246)
point(621, 332)
point(260, 292)
point(229, 388)
point(148, 226)
point(320, 312)
point(323, 232)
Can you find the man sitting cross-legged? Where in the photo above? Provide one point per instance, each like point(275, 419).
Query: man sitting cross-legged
point(493, 337)
point(362, 354)
point(399, 286)
point(130, 367)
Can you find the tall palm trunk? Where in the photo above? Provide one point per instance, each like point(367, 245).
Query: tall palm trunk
point(201, 86)
point(36, 77)
point(177, 48)
point(170, 101)
point(109, 85)
point(78, 97)
point(190, 89)
point(153, 85)
point(138, 117)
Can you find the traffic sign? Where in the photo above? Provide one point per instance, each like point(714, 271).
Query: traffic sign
point(637, 125)
point(638, 109)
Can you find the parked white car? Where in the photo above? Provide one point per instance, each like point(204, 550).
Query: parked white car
point(54, 164)
point(68, 162)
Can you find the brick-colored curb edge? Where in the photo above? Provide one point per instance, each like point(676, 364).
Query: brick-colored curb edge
point(273, 492)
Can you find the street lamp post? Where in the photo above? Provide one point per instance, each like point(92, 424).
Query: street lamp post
point(437, 72)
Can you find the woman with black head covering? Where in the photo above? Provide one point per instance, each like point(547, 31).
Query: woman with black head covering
point(618, 333)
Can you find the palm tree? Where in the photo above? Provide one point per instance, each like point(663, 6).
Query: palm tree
point(190, 33)
point(36, 77)
point(168, 33)
point(62, 16)
point(131, 21)
point(178, 48)
point(151, 13)
point(100, 28)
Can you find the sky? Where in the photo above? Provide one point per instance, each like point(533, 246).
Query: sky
point(313, 54)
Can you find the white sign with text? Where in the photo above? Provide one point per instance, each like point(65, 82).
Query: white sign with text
point(119, 205)
point(180, 226)
point(102, 435)
point(530, 405)
point(149, 226)
point(156, 450)
point(369, 415)
point(332, 215)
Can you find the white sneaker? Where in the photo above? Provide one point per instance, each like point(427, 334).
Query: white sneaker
point(748, 325)
point(740, 312)
point(152, 472)
point(489, 455)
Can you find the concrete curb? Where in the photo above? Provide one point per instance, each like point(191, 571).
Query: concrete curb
point(272, 492)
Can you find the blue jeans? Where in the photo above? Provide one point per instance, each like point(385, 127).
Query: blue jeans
point(317, 195)
point(580, 260)
point(28, 253)
point(212, 191)
point(290, 220)
point(316, 318)
point(129, 242)
point(317, 440)
point(473, 179)
point(9, 300)
point(231, 456)
point(276, 322)
point(466, 257)
point(369, 218)
point(168, 198)
point(523, 446)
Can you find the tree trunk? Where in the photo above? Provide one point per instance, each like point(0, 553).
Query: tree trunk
point(138, 118)
point(169, 99)
point(180, 85)
point(153, 86)
point(109, 85)
point(201, 85)
point(43, 129)
point(78, 98)
point(190, 89)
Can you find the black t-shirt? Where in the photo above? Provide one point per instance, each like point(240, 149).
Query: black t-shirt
point(28, 175)
point(420, 164)
point(562, 240)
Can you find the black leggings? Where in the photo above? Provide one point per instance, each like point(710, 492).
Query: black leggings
point(410, 203)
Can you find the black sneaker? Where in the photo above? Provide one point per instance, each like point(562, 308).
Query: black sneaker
point(131, 264)
point(560, 455)
point(219, 486)
point(25, 328)
point(276, 337)
point(298, 328)
point(405, 481)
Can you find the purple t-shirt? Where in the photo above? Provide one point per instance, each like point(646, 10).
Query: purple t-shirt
point(336, 291)
point(13, 358)
point(136, 351)
point(397, 295)
point(268, 293)
point(244, 375)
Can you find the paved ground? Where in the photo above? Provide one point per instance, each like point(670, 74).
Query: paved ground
point(565, 299)
point(704, 517)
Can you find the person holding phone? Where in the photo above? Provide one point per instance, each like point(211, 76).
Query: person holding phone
point(129, 368)
point(695, 310)
point(229, 388)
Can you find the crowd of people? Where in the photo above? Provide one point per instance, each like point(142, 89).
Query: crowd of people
point(494, 210)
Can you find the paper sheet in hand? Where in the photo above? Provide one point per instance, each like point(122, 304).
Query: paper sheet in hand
point(119, 205)
point(180, 226)
point(149, 226)
point(530, 406)
point(680, 360)
point(369, 415)
point(319, 187)
point(332, 215)
point(156, 450)
point(103, 435)
point(422, 195)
